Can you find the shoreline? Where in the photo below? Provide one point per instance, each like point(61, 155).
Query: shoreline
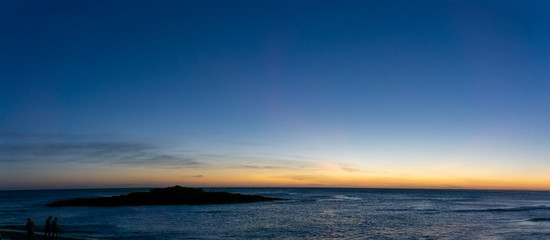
point(11, 234)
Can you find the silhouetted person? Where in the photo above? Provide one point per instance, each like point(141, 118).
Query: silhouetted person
point(55, 227)
point(30, 228)
point(48, 227)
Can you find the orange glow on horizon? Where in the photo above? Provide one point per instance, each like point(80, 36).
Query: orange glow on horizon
point(320, 175)
point(322, 178)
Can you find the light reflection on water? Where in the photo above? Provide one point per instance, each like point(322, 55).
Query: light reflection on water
point(309, 214)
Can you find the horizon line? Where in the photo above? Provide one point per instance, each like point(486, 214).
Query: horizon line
point(300, 187)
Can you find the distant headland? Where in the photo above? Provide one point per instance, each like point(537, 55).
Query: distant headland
point(176, 195)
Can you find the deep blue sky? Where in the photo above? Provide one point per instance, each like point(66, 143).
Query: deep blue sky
point(368, 84)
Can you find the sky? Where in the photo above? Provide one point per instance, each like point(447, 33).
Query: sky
point(399, 94)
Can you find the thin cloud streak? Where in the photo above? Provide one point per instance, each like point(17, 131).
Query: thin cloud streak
point(274, 167)
point(162, 161)
point(50, 136)
point(90, 149)
point(119, 153)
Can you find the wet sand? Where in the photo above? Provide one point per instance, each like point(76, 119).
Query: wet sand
point(9, 234)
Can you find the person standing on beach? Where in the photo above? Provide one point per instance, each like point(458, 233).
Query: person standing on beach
point(30, 228)
point(55, 227)
point(48, 227)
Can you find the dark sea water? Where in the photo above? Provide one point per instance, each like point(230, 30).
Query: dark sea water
point(307, 214)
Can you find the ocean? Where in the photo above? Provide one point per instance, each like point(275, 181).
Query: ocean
point(308, 213)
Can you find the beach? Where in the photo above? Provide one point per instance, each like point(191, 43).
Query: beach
point(10, 234)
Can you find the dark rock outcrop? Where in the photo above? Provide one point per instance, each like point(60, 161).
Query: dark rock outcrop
point(176, 195)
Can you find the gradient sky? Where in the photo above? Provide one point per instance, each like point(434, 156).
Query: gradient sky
point(439, 94)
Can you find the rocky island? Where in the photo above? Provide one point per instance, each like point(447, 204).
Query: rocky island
point(176, 195)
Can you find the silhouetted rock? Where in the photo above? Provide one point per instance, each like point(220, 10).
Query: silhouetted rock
point(176, 195)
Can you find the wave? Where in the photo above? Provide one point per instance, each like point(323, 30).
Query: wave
point(541, 219)
point(344, 197)
point(14, 210)
point(516, 209)
point(341, 198)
